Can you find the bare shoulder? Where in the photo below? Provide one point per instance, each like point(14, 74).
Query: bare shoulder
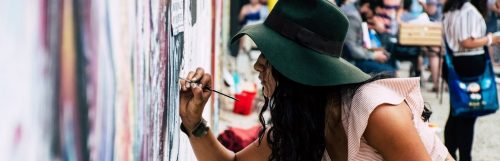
point(388, 114)
point(391, 131)
point(387, 120)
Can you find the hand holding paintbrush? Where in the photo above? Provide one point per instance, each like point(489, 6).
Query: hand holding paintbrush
point(193, 97)
point(195, 93)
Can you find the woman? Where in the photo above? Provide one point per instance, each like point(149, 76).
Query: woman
point(465, 31)
point(322, 107)
point(252, 13)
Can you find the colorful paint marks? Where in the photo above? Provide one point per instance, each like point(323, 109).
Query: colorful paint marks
point(98, 79)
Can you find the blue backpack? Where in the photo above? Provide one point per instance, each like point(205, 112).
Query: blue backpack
point(471, 96)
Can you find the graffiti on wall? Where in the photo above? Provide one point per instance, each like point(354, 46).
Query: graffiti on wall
point(195, 41)
point(101, 77)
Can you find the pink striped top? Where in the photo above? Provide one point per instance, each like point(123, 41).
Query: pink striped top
point(385, 91)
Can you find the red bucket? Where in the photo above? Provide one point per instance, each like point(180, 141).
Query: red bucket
point(245, 103)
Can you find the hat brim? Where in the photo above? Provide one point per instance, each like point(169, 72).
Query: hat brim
point(299, 63)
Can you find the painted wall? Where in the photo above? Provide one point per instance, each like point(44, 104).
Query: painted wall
point(98, 79)
point(26, 83)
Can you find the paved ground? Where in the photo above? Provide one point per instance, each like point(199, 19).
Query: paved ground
point(487, 134)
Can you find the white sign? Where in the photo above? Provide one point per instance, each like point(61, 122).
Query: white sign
point(177, 16)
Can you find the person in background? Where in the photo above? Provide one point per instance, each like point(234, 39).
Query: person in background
point(369, 61)
point(386, 27)
point(492, 26)
point(369, 14)
point(417, 7)
point(412, 9)
point(410, 12)
point(434, 9)
point(405, 13)
point(252, 13)
point(464, 27)
point(390, 11)
point(491, 19)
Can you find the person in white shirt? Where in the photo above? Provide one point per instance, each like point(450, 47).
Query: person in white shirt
point(465, 32)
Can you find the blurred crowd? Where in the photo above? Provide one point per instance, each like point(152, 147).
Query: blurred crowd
point(372, 41)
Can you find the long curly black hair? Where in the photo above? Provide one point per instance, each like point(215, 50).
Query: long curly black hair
point(297, 130)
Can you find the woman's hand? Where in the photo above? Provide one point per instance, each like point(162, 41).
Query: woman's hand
point(193, 97)
point(495, 39)
point(472, 43)
point(380, 57)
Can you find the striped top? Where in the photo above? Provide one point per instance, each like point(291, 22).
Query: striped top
point(386, 91)
point(463, 24)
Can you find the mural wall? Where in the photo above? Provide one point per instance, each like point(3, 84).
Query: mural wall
point(98, 79)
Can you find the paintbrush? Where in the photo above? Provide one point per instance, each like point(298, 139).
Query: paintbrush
point(208, 88)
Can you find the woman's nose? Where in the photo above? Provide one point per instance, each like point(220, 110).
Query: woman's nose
point(257, 67)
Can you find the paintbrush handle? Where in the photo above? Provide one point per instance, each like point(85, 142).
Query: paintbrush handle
point(206, 87)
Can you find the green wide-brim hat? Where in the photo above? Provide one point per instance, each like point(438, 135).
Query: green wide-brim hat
point(303, 40)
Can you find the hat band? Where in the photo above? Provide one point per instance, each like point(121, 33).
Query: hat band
point(303, 36)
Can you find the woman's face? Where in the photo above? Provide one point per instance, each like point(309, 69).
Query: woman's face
point(265, 75)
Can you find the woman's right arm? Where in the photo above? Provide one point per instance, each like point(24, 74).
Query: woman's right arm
point(243, 13)
point(206, 148)
point(472, 43)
